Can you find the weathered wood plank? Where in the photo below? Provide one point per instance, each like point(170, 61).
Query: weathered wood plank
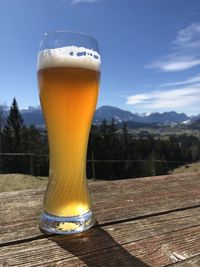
point(155, 241)
point(191, 262)
point(112, 201)
point(115, 256)
point(158, 251)
point(168, 248)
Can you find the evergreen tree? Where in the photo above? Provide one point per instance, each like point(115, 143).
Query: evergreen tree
point(1, 125)
point(125, 137)
point(103, 127)
point(13, 129)
point(112, 128)
point(31, 140)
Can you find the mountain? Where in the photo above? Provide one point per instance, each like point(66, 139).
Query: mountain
point(33, 115)
point(31, 109)
point(195, 124)
point(108, 112)
point(166, 117)
point(4, 108)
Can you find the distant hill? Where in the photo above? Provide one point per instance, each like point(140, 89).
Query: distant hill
point(195, 124)
point(34, 116)
point(166, 117)
point(108, 112)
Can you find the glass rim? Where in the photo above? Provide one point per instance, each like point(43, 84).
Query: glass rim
point(72, 32)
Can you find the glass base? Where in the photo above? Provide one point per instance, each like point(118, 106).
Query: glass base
point(66, 225)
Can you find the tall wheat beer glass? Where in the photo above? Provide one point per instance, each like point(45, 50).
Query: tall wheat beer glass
point(68, 79)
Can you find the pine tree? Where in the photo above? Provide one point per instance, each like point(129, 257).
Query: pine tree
point(103, 127)
point(125, 136)
point(30, 140)
point(13, 129)
point(112, 127)
point(1, 125)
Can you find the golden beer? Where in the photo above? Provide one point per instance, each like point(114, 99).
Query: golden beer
point(68, 97)
point(68, 81)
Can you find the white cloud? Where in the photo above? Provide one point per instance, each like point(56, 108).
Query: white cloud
point(189, 37)
point(186, 46)
point(195, 79)
point(174, 99)
point(83, 1)
point(175, 64)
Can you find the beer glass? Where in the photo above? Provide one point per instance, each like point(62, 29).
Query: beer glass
point(68, 79)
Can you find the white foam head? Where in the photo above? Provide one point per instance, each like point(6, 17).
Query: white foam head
point(69, 56)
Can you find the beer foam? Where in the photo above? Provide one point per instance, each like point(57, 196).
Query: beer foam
point(69, 56)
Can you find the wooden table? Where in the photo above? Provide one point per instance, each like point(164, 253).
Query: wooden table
point(152, 221)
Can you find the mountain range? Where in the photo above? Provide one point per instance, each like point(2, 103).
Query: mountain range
point(120, 115)
point(33, 115)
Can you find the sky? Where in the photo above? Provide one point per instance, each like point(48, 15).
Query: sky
point(150, 50)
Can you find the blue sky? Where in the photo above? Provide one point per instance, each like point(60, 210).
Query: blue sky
point(150, 49)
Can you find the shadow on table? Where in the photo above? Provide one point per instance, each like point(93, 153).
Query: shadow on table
point(97, 248)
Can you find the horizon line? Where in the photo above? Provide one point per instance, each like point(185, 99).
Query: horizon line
point(38, 107)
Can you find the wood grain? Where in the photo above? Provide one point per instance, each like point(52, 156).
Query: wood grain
point(112, 202)
point(155, 241)
point(191, 262)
